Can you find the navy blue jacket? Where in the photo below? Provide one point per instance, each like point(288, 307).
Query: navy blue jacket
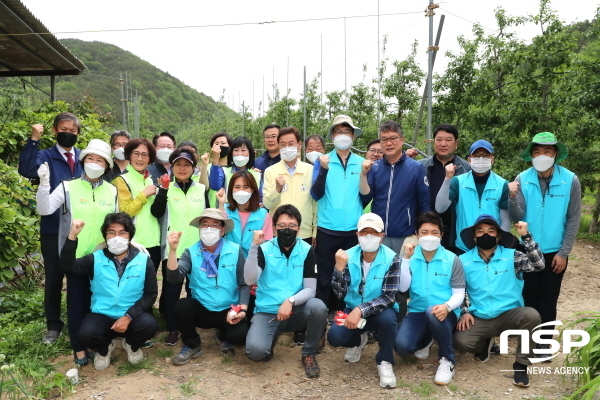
point(265, 161)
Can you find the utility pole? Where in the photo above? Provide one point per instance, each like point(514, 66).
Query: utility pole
point(122, 84)
point(304, 104)
point(136, 115)
point(243, 118)
point(287, 92)
point(345, 67)
point(431, 53)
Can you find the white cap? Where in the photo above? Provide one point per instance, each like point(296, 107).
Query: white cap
point(370, 220)
point(98, 147)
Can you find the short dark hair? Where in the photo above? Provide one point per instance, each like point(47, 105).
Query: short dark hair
point(270, 126)
point(289, 210)
point(315, 137)
point(132, 145)
point(239, 142)
point(163, 134)
point(116, 134)
point(67, 116)
point(446, 128)
point(429, 217)
point(218, 135)
point(372, 142)
point(254, 202)
point(188, 143)
point(391, 126)
point(118, 218)
point(184, 149)
point(290, 129)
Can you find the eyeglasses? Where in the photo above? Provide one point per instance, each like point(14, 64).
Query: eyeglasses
point(271, 137)
point(344, 132)
point(480, 156)
point(214, 226)
point(376, 151)
point(284, 226)
point(164, 146)
point(137, 154)
point(392, 140)
point(119, 145)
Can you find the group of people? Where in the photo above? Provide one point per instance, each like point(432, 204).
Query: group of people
point(386, 248)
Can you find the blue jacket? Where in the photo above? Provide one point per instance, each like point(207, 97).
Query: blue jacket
point(30, 160)
point(265, 161)
point(399, 192)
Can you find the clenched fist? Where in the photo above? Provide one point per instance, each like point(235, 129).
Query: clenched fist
point(258, 237)
point(409, 250)
point(205, 158)
point(513, 188)
point(324, 161)
point(221, 198)
point(36, 131)
point(521, 228)
point(173, 239)
point(76, 227)
point(279, 183)
point(341, 260)
point(366, 166)
point(450, 169)
point(44, 174)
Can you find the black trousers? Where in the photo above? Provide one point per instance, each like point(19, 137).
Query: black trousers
point(53, 281)
point(542, 289)
point(96, 332)
point(155, 256)
point(190, 313)
point(327, 246)
point(168, 298)
point(79, 296)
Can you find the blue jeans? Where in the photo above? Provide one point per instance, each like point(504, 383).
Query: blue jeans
point(385, 323)
point(417, 329)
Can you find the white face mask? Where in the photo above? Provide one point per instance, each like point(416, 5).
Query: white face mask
point(93, 170)
point(342, 142)
point(542, 163)
point(163, 155)
point(117, 245)
point(119, 153)
point(210, 236)
point(313, 155)
point(241, 196)
point(369, 243)
point(240, 161)
point(481, 165)
point(429, 243)
point(289, 153)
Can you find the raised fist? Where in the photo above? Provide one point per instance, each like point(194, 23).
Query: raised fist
point(173, 239)
point(521, 228)
point(409, 250)
point(279, 183)
point(513, 188)
point(341, 260)
point(44, 174)
point(36, 131)
point(76, 227)
point(366, 166)
point(324, 161)
point(450, 169)
point(258, 237)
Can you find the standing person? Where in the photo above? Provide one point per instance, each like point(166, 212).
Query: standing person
point(164, 143)
point(61, 166)
point(335, 184)
point(200, 172)
point(271, 154)
point(240, 158)
point(367, 277)
point(397, 185)
point(445, 145)
point(223, 141)
point(479, 191)
point(374, 153)
point(314, 147)
point(548, 197)
point(118, 141)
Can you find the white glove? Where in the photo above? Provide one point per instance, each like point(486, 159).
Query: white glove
point(44, 174)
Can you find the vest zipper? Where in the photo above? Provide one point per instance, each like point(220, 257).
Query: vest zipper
point(387, 206)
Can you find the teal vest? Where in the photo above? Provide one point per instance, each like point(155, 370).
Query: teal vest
point(255, 222)
point(373, 286)
point(220, 292)
point(112, 296)
point(547, 217)
point(470, 206)
point(182, 209)
point(282, 277)
point(493, 288)
point(430, 281)
point(340, 207)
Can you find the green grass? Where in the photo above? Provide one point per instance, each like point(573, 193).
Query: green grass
point(126, 368)
point(163, 352)
point(188, 389)
point(424, 389)
point(453, 387)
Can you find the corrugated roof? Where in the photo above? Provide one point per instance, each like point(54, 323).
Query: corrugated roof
point(38, 53)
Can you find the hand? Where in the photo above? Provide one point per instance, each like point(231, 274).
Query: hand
point(285, 310)
point(313, 242)
point(173, 239)
point(341, 260)
point(121, 324)
point(412, 153)
point(44, 174)
point(366, 166)
point(221, 198)
point(324, 161)
point(521, 228)
point(215, 151)
point(256, 170)
point(164, 181)
point(258, 237)
point(76, 227)
point(205, 158)
point(233, 318)
point(513, 188)
point(279, 183)
point(558, 264)
point(440, 311)
point(409, 250)
point(149, 191)
point(353, 318)
point(465, 322)
point(450, 169)
point(36, 131)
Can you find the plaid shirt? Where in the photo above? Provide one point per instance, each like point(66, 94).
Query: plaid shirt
point(391, 283)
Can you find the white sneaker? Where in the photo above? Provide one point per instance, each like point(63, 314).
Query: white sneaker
point(353, 353)
point(134, 357)
point(102, 362)
point(445, 372)
point(387, 379)
point(423, 354)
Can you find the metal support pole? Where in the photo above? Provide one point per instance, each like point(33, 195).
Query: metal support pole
point(53, 88)
point(243, 119)
point(430, 78)
point(122, 83)
point(304, 111)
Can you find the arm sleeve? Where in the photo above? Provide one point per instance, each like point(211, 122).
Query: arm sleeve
point(423, 195)
point(442, 200)
point(160, 204)
point(244, 289)
point(388, 297)
point(573, 219)
point(127, 203)
point(340, 282)
point(268, 227)
point(457, 280)
point(29, 162)
point(405, 276)
point(144, 304)
point(184, 266)
point(48, 202)
point(317, 189)
point(457, 298)
point(83, 266)
point(216, 178)
point(516, 205)
point(271, 197)
point(504, 220)
point(307, 292)
point(310, 265)
point(530, 261)
point(365, 199)
point(254, 265)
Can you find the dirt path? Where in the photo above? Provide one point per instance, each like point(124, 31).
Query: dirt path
point(211, 376)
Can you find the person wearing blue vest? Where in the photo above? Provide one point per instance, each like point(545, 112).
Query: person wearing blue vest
point(479, 191)
point(494, 276)
point(367, 277)
point(62, 166)
point(123, 284)
point(284, 268)
point(335, 188)
point(548, 197)
point(434, 278)
point(214, 267)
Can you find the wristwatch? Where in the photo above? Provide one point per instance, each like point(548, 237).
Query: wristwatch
point(292, 300)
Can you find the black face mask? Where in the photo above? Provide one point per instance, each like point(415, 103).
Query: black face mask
point(224, 151)
point(286, 237)
point(486, 241)
point(66, 139)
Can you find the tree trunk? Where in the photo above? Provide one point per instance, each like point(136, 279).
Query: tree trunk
point(595, 213)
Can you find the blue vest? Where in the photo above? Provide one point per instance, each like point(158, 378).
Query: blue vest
point(430, 282)
point(547, 217)
point(220, 292)
point(470, 206)
point(256, 221)
point(493, 288)
point(113, 296)
point(282, 277)
point(340, 207)
point(373, 286)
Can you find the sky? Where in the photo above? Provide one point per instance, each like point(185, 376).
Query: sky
point(240, 59)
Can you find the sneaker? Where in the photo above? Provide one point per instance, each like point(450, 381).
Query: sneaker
point(102, 362)
point(484, 354)
point(81, 362)
point(353, 353)
point(300, 337)
point(445, 372)
point(423, 354)
point(134, 357)
point(387, 379)
point(372, 337)
point(545, 354)
point(172, 338)
point(186, 354)
point(51, 337)
point(311, 367)
point(521, 378)
point(147, 344)
point(495, 349)
point(269, 356)
point(225, 347)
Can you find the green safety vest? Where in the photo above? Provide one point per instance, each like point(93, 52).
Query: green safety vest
point(183, 208)
point(147, 231)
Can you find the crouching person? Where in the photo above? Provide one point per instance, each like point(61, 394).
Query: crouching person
point(215, 270)
point(284, 268)
point(494, 277)
point(367, 277)
point(123, 284)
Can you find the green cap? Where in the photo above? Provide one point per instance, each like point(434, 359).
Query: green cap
point(546, 138)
